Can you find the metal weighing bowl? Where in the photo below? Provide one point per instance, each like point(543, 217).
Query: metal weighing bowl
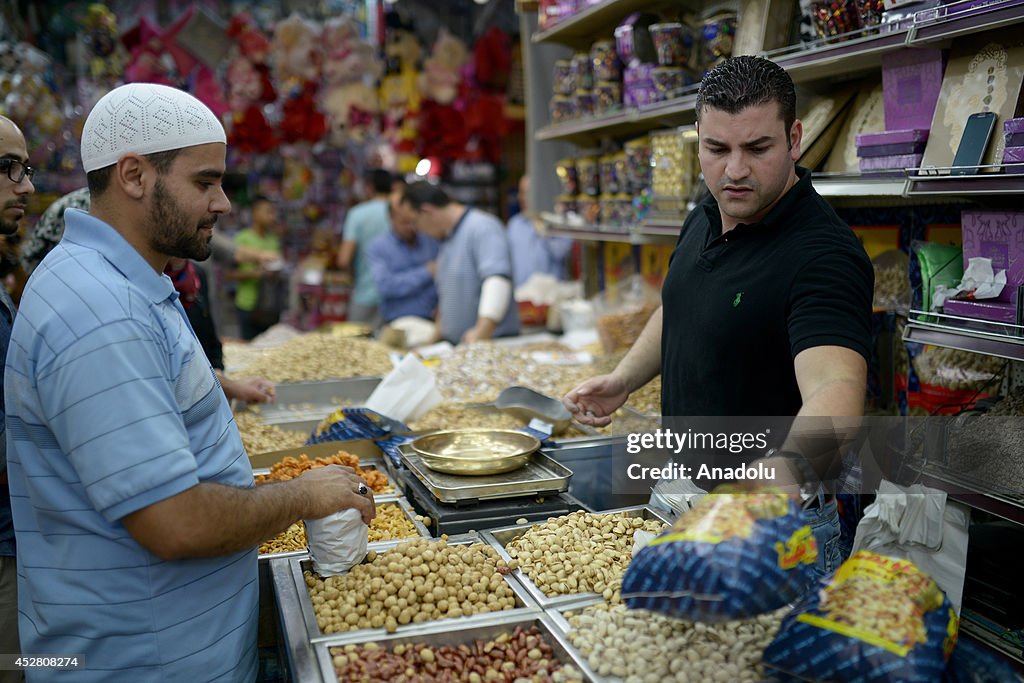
point(475, 451)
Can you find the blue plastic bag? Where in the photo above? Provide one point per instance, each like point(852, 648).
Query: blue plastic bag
point(876, 619)
point(734, 555)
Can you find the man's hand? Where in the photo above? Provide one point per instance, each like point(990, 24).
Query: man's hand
point(334, 488)
point(249, 389)
point(484, 329)
point(593, 402)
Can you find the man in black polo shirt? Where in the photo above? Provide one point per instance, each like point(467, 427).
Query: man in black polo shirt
point(766, 306)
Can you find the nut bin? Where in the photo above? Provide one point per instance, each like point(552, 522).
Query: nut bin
point(502, 537)
point(443, 635)
point(300, 599)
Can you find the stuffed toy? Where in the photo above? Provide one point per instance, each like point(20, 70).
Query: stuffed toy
point(400, 98)
point(350, 64)
point(440, 78)
point(249, 86)
point(105, 54)
point(297, 62)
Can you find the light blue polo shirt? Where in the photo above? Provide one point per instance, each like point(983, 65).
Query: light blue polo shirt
point(475, 250)
point(111, 407)
point(363, 224)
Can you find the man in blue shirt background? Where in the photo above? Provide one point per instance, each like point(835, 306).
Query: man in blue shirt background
point(403, 263)
point(533, 252)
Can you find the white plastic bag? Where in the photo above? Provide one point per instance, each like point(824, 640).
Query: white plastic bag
point(337, 542)
point(921, 525)
point(407, 393)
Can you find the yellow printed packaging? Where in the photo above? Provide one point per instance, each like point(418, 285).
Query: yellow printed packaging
point(878, 618)
point(734, 556)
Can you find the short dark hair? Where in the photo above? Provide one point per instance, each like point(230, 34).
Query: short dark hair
point(422, 192)
point(259, 199)
point(99, 179)
point(381, 181)
point(747, 81)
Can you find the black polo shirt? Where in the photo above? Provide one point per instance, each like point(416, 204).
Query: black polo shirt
point(739, 307)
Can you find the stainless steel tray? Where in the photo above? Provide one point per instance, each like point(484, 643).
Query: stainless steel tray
point(364, 463)
point(316, 400)
point(421, 530)
point(439, 634)
point(541, 475)
point(563, 628)
point(502, 536)
point(297, 600)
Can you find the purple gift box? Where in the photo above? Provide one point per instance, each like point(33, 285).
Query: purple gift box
point(999, 236)
point(1013, 155)
point(1011, 126)
point(892, 143)
point(1013, 140)
point(911, 80)
point(889, 164)
point(639, 95)
point(986, 309)
point(638, 74)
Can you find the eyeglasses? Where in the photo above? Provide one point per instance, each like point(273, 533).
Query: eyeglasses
point(16, 170)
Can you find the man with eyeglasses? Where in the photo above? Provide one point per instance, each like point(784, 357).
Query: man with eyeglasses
point(15, 187)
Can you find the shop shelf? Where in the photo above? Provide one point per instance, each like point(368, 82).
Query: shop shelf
point(976, 495)
point(938, 181)
point(957, 19)
point(674, 112)
point(580, 29)
point(975, 336)
point(856, 186)
point(660, 233)
point(847, 54)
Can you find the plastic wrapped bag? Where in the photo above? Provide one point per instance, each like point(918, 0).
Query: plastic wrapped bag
point(733, 556)
point(919, 524)
point(622, 312)
point(337, 542)
point(877, 618)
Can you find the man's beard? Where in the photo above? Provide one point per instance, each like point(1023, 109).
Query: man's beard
point(9, 227)
point(174, 234)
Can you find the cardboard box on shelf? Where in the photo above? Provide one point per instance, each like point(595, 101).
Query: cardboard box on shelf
point(868, 116)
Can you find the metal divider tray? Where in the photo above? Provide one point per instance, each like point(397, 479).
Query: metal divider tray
point(317, 399)
point(391, 499)
point(541, 475)
point(564, 628)
point(364, 463)
point(293, 598)
point(499, 538)
point(439, 635)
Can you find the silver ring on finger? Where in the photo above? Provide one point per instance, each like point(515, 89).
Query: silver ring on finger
point(363, 489)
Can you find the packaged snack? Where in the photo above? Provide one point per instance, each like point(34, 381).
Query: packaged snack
point(604, 61)
point(608, 97)
point(674, 43)
point(582, 71)
point(734, 555)
point(564, 78)
point(638, 163)
point(562, 109)
point(586, 101)
point(565, 169)
point(719, 34)
point(877, 618)
point(589, 175)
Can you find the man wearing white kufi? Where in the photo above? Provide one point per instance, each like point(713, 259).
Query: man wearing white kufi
point(134, 506)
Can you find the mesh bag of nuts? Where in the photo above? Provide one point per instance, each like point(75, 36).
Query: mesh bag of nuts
point(877, 618)
point(733, 556)
point(622, 312)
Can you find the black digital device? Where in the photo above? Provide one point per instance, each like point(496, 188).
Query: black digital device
point(973, 143)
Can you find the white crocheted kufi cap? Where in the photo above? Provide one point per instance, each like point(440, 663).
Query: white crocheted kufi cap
point(145, 118)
